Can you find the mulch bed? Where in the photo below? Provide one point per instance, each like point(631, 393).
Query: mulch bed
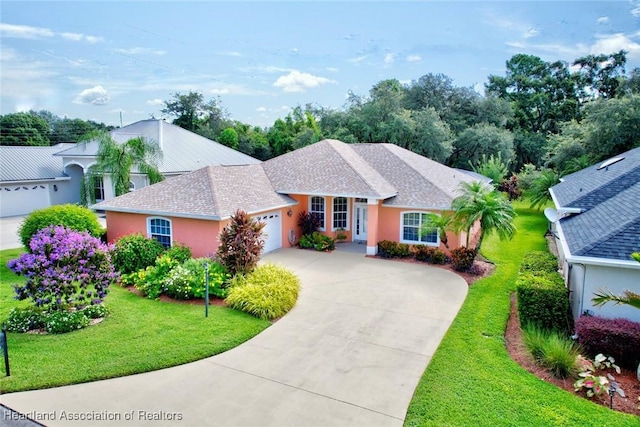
point(212, 300)
point(626, 380)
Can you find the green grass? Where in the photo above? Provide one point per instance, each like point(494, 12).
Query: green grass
point(139, 335)
point(471, 379)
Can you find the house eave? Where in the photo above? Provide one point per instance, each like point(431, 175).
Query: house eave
point(348, 195)
point(579, 259)
point(419, 207)
point(97, 207)
point(563, 209)
point(32, 181)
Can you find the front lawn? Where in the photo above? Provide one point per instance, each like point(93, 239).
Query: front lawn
point(139, 335)
point(471, 379)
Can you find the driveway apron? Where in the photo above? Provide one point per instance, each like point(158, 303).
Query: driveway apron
point(350, 353)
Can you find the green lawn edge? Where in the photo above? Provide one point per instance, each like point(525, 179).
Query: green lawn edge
point(471, 379)
point(139, 335)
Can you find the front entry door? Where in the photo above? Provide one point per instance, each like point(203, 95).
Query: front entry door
point(360, 221)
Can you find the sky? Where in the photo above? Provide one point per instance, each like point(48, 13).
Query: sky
point(105, 60)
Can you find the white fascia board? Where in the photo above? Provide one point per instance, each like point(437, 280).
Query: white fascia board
point(353, 196)
point(35, 181)
point(563, 209)
point(97, 207)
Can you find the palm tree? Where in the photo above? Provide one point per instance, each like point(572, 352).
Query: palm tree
point(540, 187)
point(442, 223)
point(479, 202)
point(117, 160)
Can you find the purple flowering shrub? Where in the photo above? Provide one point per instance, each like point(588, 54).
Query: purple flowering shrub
point(65, 268)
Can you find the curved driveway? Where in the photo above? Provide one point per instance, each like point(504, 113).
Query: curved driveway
point(350, 353)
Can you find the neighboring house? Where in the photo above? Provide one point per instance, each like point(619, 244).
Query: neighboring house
point(597, 229)
point(32, 178)
point(373, 192)
point(53, 175)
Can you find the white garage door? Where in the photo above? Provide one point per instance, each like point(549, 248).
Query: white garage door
point(23, 199)
point(272, 231)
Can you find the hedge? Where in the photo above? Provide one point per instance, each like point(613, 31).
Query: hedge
point(619, 338)
point(543, 301)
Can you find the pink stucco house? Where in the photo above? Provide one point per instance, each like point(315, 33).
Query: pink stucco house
point(373, 192)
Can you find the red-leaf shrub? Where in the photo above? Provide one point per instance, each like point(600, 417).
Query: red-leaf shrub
point(429, 254)
point(619, 338)
point(462, 258)
point(241, 243)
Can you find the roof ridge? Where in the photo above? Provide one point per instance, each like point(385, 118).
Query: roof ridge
point(427, 178)
point(213, 188)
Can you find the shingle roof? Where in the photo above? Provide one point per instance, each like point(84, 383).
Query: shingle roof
point(420, 181)
point(328, 167)
point(183, 151)
point(21, 163)
point(609, 224)
point(213, 192)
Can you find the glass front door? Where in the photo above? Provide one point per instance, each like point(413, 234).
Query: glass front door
point(360, 221)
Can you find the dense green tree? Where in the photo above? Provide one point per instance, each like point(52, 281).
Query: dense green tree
point(23, 129)
point(601, 76)
point(612, 126)
point(191, 112)
point(117, 160)
point(229, 137)
point(479, 140)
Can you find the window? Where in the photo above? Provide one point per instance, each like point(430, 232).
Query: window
point(132, 186)
point(160, 230)
point(98, 190)
point(411, 229)
point(340, 213)
point(317, 208)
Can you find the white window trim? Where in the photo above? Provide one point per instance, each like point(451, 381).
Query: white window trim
point(149, 219)
point(413, 242)
point(333, 227)
point(324, 204)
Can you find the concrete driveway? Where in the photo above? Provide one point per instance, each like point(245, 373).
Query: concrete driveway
point(350, 353)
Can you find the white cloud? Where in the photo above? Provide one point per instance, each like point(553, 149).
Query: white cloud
point(636, 9)
point(555, 50)
point(414, 58)
point(24, 31)
point(261, 109)
point(285, 108)
point(509, 23)
point(531, 32)
point(155, 102)
point(233, 89)
point(296, 81)
point(96, 95)
point(140, 51)
point(602, 20)
point(332, 69)
point(358, 59)
point(388, 59)
point(28, 32)
point(611, 43)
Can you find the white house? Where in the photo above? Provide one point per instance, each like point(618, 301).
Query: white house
point(36, 177)
point(597, 227)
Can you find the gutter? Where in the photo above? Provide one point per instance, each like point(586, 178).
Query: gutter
point(33, 181)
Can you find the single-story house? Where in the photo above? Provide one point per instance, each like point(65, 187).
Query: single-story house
point(596, 224)
point(371, 192)
point(38, 177)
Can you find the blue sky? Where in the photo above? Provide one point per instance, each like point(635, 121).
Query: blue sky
point(96, 60)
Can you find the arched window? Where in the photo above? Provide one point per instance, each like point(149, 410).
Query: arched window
point(411, 229)
point(160, 230)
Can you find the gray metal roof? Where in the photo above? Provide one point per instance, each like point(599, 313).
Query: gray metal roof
point(182, 151)
point(609, 199)
point(212, 192)
point(20, 163)
point(420, 181)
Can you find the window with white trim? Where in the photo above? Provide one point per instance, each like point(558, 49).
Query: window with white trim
point(411, 229)
point(316, 207)
point(98, 189)
point(160, 230)
point(340, 213)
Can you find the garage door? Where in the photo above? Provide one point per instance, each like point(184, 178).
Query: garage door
point(23, 199)
point(272, 230)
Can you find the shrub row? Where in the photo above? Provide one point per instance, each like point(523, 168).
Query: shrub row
point(56, 322)
point(619, 338)
point(543, 299)
point(317, 241)
point(179, 279)
point(268, 292)
point(391, 249)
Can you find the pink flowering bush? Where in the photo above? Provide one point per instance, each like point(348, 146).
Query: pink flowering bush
point(65, 268)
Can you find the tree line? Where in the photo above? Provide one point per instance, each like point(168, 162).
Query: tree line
point(538, 118)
